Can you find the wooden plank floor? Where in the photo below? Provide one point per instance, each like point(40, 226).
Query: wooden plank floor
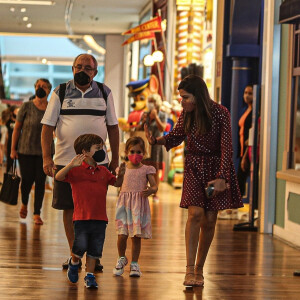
point(240, 265)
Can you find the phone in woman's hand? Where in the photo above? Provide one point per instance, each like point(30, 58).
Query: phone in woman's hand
point(209, 190)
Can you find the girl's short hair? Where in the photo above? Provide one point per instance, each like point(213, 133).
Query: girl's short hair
point(133, 141)
point(86, 141)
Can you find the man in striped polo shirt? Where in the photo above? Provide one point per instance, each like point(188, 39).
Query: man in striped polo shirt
point(80, 106)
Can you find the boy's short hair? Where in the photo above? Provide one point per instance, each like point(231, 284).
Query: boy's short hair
point(86, 141)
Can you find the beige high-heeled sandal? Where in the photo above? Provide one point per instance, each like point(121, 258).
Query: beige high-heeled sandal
point(199, 278)
point(189, 276)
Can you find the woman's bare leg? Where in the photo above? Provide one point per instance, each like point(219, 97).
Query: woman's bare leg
point(208, 225)
point(192, 229)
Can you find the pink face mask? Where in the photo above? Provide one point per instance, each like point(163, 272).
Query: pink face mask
point(135, 158)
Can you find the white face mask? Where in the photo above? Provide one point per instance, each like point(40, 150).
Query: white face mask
point(150, 105)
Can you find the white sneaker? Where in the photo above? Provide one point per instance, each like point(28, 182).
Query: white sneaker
point(119, 268)
point(135, 270)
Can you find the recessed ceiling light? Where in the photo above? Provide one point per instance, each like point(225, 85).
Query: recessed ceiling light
point(29, 25)
point(23, 9)
point(25, 19)
point(12, 9)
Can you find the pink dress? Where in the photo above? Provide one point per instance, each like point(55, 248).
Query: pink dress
point(133, 216)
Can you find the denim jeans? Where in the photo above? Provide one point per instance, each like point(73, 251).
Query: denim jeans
point(89, 238)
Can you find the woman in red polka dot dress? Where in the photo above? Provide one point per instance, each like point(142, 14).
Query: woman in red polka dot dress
point(205, 125)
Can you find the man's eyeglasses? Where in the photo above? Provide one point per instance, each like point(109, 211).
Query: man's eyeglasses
point(87, 68)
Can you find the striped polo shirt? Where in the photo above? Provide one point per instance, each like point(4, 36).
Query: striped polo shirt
point(80, 113)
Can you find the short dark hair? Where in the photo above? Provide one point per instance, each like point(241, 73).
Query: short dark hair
point(86, 141)
point(92, 57)
point(135, 140)
point(49, 85)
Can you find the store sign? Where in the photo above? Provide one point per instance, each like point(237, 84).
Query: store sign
point(140, 36)
point(152, 25)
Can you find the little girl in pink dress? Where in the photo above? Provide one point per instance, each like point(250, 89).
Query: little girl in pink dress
point(133, 217)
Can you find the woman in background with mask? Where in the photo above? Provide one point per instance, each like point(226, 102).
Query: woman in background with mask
point(26, 147)
point(156, 121)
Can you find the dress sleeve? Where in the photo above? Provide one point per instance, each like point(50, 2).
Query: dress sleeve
point(177, 135)
point(226, 145)
point(150, 170)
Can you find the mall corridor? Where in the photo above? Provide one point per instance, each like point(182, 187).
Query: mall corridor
point(240, 265)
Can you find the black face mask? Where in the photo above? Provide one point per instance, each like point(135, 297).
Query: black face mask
point(40, 92)
point(99, 155)
point(82, 78)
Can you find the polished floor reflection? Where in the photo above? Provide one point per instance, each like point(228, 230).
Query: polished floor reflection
point(240, 265)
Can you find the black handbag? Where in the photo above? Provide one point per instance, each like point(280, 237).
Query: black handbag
point(10, 187)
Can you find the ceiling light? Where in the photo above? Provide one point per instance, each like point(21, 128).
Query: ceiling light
point(25, 19)
point(29, 25)
point(44, 60)
point(27, 2)
point(23, 9)
point(93, 44)
point(158, 56)
point(148, 60)
point(12, 9)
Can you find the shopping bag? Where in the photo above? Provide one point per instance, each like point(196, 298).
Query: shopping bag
point(10, 187)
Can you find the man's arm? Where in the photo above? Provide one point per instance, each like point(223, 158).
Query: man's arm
point(46, 140)
point(113, 137)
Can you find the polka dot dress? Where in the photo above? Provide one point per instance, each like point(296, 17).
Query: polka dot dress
point(209, 157)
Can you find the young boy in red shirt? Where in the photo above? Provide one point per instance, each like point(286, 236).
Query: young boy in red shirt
point(89, 183)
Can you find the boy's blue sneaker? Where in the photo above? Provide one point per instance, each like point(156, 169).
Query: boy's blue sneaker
point(65, 265)
point(72, 272)
point(90, 281)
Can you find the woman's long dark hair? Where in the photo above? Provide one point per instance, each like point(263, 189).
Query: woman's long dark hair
point(201, 116)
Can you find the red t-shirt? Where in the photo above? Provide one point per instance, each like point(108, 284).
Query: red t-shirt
point(89, 187)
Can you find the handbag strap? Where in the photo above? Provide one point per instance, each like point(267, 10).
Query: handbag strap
point(14, 167)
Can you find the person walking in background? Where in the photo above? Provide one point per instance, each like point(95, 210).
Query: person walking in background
point(208, 163)
point(245, 124)
point(80, 106)
point(156, 121)
point(133, 217)
point(26, 147)
point(10, 124)
point(89, 183)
